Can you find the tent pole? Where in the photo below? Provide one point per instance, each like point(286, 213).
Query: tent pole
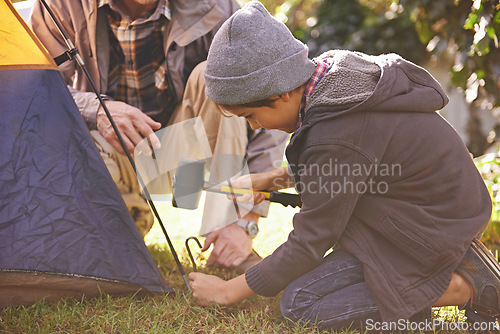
point(74, 52)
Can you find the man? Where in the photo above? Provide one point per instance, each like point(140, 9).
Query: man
point(146, 58)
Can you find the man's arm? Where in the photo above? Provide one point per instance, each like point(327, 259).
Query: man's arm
point(44, 27)
point(264, 153)
point(232, 244)
point(51, 38)
point(132, 123)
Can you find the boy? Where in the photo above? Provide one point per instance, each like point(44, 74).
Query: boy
point(382, 177)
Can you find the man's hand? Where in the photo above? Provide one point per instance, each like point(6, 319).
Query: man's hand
point(133, 125)
point(232, 245)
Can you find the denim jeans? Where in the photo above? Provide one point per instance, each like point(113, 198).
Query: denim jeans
point(333, 295)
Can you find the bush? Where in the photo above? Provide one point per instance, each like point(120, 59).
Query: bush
point(489, 167)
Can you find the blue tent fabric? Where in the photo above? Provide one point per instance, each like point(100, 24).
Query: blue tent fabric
point(60, 211)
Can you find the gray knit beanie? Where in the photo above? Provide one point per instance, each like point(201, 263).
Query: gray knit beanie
point(254, 56)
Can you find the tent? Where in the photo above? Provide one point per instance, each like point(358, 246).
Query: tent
point(64, 228)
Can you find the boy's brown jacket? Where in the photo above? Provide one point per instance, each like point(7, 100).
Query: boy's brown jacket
point(384, 176)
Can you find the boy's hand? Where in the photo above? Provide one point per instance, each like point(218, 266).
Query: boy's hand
point(256, 181)
point(208, 289)
point(275, 179)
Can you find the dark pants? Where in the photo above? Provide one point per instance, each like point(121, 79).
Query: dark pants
point(333, 295)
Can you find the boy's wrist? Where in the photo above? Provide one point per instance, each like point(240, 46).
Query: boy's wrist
point(236, 290)
point(280, 178)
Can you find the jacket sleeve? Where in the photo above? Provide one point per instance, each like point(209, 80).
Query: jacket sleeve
point(88, 104)
point(43, 26)
point(328, 203)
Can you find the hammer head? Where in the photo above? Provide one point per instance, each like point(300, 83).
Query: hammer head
point(188, 183)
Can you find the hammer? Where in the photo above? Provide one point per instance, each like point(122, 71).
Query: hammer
point(188, 184)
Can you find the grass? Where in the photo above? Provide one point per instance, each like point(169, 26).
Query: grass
point(178, 313)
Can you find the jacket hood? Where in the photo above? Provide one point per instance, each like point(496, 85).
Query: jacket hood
point(357, 82)
point(377, 83)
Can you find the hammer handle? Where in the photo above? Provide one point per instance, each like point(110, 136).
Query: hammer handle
point(273, 196)
point(241, 192)
point(285, 199)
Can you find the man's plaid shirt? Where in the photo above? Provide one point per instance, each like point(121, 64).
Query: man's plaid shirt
point(137, 66)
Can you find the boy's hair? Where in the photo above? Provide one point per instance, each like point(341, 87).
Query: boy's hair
point(224, 109)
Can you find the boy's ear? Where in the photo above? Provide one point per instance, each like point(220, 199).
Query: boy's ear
point(285, 97)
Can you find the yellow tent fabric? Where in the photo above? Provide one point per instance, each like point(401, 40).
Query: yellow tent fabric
point(19, 47)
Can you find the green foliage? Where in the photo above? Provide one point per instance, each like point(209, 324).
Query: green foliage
point(489, 167)
point(466, 31)
point(373, 27)
point(160, 314)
